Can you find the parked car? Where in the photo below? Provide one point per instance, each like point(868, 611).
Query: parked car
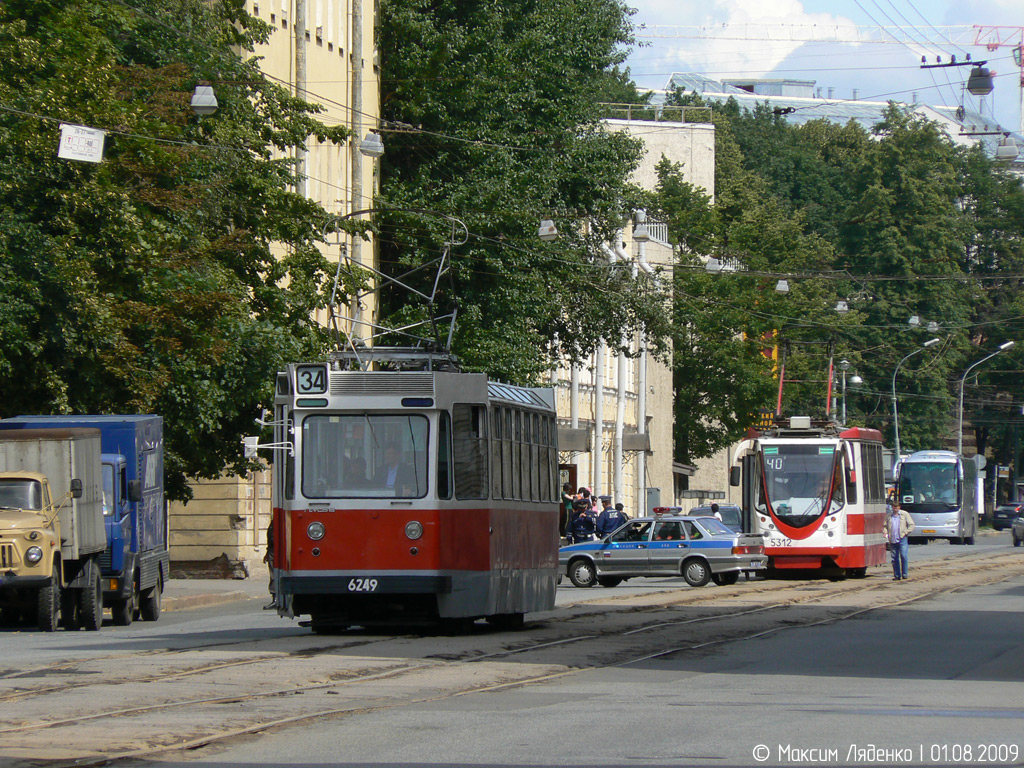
point(731, 514)
point(1018, 531)
point(1005, 514)
point(700, 549)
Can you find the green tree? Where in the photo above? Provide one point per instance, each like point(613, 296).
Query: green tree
point(913, 225)
point(504, 101)
point(147, 282)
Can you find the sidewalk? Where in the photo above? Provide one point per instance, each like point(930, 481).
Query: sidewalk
point(184, 594)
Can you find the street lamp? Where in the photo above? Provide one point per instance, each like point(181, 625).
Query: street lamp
point(895, 411)
point(204, 102)
point(855, 381)
point(960, 420)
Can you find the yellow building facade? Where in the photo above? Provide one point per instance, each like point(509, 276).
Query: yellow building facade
point(324, 51)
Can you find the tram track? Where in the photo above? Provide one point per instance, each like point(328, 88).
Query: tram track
point(608, 631)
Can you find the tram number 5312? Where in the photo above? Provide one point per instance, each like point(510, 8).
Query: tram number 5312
point(362, 585)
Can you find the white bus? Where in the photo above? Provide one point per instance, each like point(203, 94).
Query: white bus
point(940, 491)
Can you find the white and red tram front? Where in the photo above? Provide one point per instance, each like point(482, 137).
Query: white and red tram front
point(818, 497)
point(412, 496)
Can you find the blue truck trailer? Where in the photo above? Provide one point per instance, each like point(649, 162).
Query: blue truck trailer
point(136, 561)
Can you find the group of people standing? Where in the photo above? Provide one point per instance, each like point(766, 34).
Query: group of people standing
point(581, 518)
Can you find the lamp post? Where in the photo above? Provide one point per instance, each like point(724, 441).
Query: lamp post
point(895, 410)
point(855, 380)
point(960, 420)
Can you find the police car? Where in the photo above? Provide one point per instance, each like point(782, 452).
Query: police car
point(700, 549)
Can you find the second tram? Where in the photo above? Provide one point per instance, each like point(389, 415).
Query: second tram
point(940, 491)
point(412, 494)
point(816, 492)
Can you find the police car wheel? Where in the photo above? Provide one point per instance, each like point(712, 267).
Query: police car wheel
point(696, 572)
point(582, 573)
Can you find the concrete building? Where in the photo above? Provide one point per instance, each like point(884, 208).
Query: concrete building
point(324, 51)
point(616, 410)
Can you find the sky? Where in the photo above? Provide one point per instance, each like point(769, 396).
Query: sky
point(876, 71)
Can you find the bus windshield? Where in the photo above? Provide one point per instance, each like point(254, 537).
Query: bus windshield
point(930, 483)
point(364, 455)
point(797, 482)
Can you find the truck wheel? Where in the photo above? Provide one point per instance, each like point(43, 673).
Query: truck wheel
point(90, 601)
point(123, 611)
point(150, 603)
point(49, 603)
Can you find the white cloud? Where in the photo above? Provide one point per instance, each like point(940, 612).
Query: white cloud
point(721, 56)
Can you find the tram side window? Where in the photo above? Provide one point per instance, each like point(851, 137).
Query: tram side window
point(552, 459)
point(517, 465)
point(469, 427)
point(496, 453)
point(869, 467)
point(506, 455)
point(535, 462)
point(444, 455)
point(524, 457)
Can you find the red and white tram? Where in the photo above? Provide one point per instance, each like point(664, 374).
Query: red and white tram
point(411, 493)
point(817, 494)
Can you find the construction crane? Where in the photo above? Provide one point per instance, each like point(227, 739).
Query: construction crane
point(955, 36)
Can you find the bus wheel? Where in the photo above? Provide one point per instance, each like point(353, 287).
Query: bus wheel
point(582, 573)
point(696, 572)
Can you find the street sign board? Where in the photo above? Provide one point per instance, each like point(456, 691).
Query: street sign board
point(79, 142)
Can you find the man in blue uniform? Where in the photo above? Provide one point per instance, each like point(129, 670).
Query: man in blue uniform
point(583, 523)
point(611, 518)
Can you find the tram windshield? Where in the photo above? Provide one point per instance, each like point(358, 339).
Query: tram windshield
point(931, 484)
point(801, 482)
point(364, 455)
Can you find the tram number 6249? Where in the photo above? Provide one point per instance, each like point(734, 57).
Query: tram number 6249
point(362, 585)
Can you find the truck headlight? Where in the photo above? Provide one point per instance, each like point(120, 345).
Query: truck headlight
point(33, 555)
point(315, 530)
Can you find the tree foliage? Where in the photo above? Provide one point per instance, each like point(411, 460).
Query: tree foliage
point(503, 101)
point(148, 282)
point(898, 222)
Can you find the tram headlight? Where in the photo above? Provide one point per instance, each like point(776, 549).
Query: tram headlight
point(33, 555)
point(315, 530)
point(413, 529)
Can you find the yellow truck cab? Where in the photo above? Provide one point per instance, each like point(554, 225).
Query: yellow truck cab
point(51, 528)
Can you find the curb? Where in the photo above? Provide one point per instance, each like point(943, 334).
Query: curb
point(185, 602)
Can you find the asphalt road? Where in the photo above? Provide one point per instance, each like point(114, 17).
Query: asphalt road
point(651, 673)
point(932, 683)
